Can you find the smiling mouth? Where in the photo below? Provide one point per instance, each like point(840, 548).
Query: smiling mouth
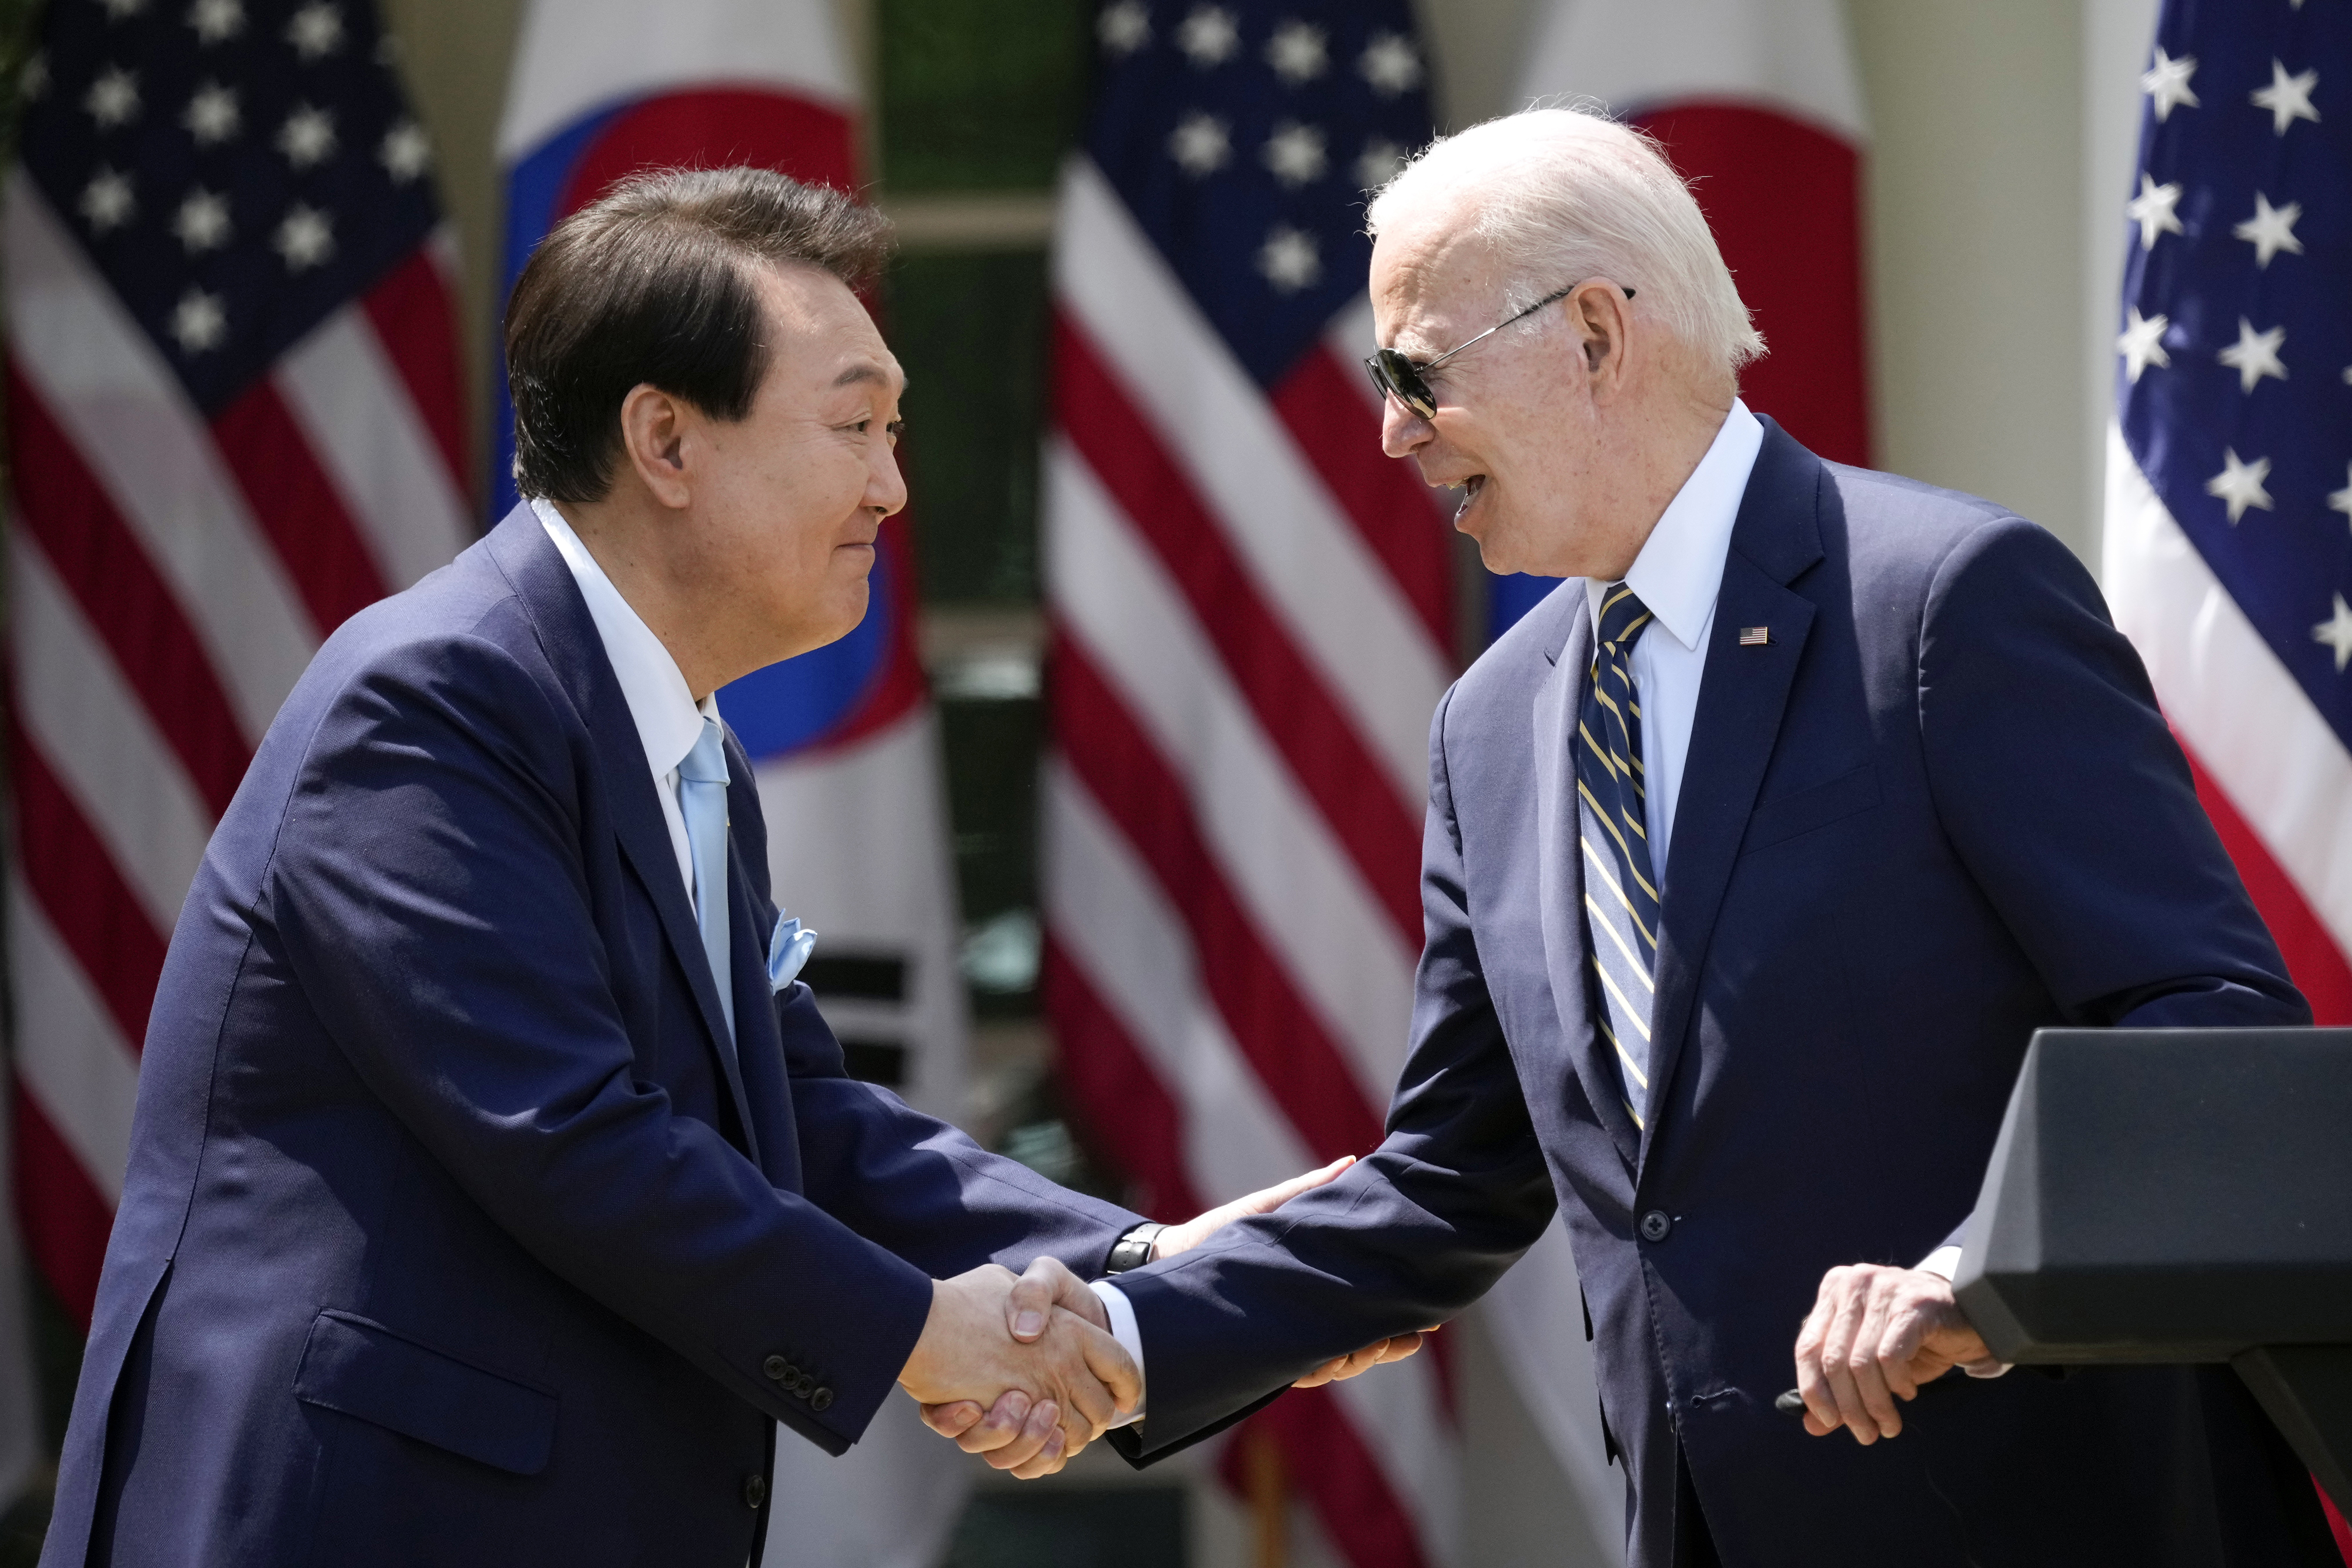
point(1470, 489)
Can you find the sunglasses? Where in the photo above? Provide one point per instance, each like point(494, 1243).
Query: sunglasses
point(1400, 377)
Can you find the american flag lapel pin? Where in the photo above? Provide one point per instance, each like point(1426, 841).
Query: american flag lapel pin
point(1755, 636)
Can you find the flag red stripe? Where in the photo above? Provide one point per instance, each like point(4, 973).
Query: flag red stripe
point(65, 1217)
point(1117, 1092)
point(2314, 960)
point(1280, 1036)
point(1328, 1459)
point(63, 509)
point(73, 876)
point(1338, 432)
point(417, 324)
point(1298, 711)
point(301, 511)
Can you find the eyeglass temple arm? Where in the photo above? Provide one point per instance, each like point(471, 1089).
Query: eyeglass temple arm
point(1548, 298)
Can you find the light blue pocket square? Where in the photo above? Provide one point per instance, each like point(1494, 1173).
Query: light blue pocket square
point(787, 951)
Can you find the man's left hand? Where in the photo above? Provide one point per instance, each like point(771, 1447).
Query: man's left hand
point(1874, 1336)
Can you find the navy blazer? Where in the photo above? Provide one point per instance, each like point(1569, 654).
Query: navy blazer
point(1937, 810)
point(451, 1235)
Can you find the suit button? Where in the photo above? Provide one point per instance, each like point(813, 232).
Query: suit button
point(1656, 1225)
point(777, 1368)
point(755, 1490)
point(822, 1400)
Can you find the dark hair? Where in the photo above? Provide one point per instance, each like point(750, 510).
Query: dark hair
point(651, 283)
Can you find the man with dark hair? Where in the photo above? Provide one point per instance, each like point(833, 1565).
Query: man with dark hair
point(495, 1188)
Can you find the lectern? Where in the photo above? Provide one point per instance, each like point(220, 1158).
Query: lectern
point(2179, 1196)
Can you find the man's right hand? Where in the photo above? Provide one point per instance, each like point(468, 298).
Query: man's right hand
point(1060, 1391)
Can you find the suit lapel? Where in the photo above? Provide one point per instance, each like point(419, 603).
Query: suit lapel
point(1560, 874)
point(569, 634)
point(1742, 699)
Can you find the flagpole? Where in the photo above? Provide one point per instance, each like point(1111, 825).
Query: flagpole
point(1269, 1496)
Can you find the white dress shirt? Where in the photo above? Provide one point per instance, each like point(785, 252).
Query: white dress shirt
point(669, 719)
point(1677, 575)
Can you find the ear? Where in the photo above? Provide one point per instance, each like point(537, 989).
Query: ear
point(1602, 320)
point(653, 430)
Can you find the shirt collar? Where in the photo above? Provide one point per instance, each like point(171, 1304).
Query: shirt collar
point(669, 721)
point(1680, 568)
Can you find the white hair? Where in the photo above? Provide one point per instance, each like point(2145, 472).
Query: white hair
point(1564, 195)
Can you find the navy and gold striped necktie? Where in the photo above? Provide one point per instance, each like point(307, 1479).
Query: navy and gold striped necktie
point(1620, 891)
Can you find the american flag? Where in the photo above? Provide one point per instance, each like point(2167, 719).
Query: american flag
point(234, 418)
point(2228, 517)
point(1250, 623)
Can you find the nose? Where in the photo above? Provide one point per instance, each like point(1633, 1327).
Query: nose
point(1402, 431)
point(886, 487)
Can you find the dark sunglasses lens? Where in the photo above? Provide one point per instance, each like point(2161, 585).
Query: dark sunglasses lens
point(1395, 377)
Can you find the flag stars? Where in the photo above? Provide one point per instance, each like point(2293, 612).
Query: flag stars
point(2240, 484)
point(2254, 355)
point(2152, 210)
point(212, 115)
point(1298, 52)
point(1200, 143)
point(1390, 64)
point(202, 223)
point(1208, 36)
point(2166, 84)
point(107, 202)
point(2288, 98)
point(315, 31)
point(308, 137)
point(405, 151)
point(2142, 343)
point(2271, 230)
point(2341, 500)
point(1377, 164)
point(122, 10)
point(1295, 153)
point(217, 21)
point(198, 322)
point(2336, 631)
point(306, 238)
point(1288, 259)
point(1124, 28)
point(114, 98)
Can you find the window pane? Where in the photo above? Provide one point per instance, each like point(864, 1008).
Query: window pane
point(979, 94)
point(970, 328)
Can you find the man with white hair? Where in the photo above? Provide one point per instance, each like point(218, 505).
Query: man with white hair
point(1753, 860)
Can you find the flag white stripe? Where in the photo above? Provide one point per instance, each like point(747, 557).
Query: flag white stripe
point(92, 730)
point(69, 1053)
point(1113, 920)
point(101, 379)
point(1311, 906)
point(1304, 556)
point(2248, 720)
point(361, 423)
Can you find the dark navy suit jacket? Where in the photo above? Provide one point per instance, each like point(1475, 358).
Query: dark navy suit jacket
point(450, 1234)
point(1938, 811)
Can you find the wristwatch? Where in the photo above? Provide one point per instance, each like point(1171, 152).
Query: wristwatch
point(1133, 1250)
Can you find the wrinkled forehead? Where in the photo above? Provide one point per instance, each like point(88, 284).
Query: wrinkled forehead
point(1434, 281)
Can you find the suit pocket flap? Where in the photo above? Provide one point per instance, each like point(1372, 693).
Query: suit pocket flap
point(1788, 815)
point(363, 1369)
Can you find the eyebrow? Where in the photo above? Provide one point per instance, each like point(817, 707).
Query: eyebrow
point(865, 372)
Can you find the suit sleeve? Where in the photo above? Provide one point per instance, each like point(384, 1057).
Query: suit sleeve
point(2069, 802)
point(1407, 1237)
point(428, 885)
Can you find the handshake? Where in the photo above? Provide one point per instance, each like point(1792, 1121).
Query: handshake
point(1024, 1370)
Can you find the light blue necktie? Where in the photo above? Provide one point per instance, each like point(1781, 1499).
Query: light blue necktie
point(702, 801)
